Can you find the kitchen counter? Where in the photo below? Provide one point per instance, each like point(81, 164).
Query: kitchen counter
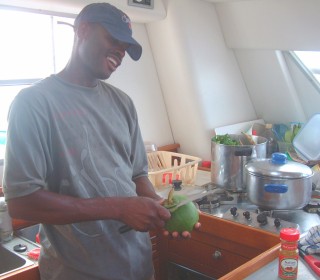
point(270, 272)
point(305, 221)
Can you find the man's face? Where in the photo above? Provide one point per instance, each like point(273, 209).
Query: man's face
point(99, 52)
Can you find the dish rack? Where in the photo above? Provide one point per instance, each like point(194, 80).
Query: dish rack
point(167, 166)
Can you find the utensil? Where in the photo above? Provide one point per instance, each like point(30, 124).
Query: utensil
point(191, 198)
point(227, 161)
point(312, 262)
point(277, 183)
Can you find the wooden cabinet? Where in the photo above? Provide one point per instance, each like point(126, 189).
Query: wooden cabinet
point(156, 258)
point(218, 248)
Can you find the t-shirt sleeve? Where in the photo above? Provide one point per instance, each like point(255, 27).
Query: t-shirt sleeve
point(27, 158)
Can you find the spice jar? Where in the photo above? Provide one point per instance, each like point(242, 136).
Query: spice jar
point(289, 253)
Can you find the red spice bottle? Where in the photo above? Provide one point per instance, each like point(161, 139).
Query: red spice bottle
point(289, 253)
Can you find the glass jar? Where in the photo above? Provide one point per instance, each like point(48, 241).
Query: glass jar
point(289, 253)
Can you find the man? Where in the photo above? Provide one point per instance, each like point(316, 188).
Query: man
point(75, 160)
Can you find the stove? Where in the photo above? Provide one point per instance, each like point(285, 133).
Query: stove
point(236, 207)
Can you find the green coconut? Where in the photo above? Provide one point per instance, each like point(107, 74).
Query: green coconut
point(183, 218)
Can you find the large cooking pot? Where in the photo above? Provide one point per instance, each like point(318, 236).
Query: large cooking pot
point(227, 161)
point(277, 183)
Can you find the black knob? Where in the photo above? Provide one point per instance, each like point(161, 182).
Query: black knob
point(277, 222)
point(262, 219)
point(177, 184)
point(247, 215)
point(233, 211)
point(20, 248)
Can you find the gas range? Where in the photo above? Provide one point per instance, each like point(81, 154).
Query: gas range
point(236, 207)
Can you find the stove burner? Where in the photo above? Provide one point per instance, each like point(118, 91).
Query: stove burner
point(221, 197)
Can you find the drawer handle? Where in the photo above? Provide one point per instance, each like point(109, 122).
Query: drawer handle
point(217, 255)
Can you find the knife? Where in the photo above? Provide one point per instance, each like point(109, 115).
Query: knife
point(191, 198)
point(313, 262)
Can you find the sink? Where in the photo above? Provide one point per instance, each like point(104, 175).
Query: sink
point(10, 260)
point(28, 233)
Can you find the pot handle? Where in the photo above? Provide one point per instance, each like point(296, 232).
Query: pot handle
point(275, 188)
point(247, 152)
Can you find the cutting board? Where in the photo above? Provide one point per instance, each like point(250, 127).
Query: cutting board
point(237, 128)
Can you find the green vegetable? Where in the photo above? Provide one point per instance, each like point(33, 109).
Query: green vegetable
point(292, 132)
point(182, 219)
point(225, 140)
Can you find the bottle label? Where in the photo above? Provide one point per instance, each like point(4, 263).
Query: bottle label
point(288, 267)
point(289, 246)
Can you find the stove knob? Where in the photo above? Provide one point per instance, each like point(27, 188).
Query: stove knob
point(234, 212)
point(247, 215)
point(277, 222)
point(262, 219)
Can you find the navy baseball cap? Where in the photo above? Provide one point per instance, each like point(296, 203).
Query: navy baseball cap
point(116, 22)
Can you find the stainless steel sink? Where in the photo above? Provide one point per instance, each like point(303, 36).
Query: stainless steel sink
point(10, 260)
point(28, 233)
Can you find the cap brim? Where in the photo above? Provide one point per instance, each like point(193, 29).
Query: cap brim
point(134, 50)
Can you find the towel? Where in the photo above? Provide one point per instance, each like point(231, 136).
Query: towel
point(310, 243)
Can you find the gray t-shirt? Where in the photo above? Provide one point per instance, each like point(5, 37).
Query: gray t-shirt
point(82, 142)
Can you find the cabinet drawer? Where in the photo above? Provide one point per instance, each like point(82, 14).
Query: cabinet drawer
point(210, 260)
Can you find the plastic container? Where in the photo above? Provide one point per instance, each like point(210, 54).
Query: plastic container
point(306, 143)
point(164, 167)
point(288, 253)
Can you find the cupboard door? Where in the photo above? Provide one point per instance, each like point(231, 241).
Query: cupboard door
point(210, 260)
point(155, 241)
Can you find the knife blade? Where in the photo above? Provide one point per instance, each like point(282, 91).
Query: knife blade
point(191, 198)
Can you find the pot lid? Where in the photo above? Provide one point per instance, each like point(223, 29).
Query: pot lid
point(278, 166)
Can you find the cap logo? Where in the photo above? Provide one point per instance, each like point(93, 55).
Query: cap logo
point(125, 19)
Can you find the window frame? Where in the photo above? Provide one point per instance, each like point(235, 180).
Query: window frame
point(56, 18)
point(305, 70)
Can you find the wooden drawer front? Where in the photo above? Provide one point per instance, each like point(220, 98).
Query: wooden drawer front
point(201, 257)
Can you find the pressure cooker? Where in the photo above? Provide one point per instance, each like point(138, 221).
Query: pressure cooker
point(278, 183)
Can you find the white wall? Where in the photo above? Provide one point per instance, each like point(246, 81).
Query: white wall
point(256, 30)
point(271, 24)
point(199, 75)
point(139, 79)
point(270, 86)
point(309, 96)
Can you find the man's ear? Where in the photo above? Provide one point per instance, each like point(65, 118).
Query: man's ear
point(82, 30)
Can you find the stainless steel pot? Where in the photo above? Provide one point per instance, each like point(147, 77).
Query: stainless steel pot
point(227, 162)
point(277, 183)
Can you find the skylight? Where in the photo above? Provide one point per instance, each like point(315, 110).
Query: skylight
point(310, 62)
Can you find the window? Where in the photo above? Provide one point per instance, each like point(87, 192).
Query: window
point(309, 62)
point(33, 46)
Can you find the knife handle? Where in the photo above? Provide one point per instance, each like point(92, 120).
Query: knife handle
point(313, 263)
